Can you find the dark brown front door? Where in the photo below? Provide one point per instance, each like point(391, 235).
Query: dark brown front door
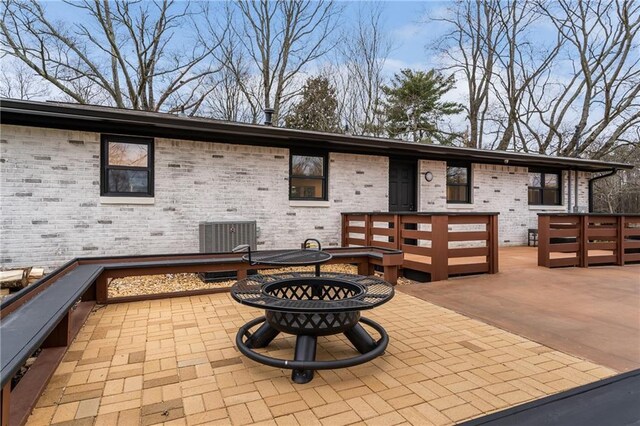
point(402, 185)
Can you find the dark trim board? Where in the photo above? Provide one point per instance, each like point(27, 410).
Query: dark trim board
point(152, 124)
point(613, 402)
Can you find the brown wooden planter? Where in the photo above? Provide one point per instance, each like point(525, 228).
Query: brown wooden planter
point(585, 240)
point(428, 250)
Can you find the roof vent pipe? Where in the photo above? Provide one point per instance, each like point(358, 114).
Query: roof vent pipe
point(268, 115)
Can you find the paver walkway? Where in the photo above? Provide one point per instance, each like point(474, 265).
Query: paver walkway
point(589, 312)
point(174, 361)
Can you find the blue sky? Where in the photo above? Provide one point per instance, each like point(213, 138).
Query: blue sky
point(403, 22)
point(407, 29)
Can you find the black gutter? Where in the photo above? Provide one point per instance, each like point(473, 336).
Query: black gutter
point(152, 124)
point(593, 179)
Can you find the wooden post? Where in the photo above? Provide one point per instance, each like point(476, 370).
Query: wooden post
point(583, 241)
point(241, 273)
point(102, 286)
point(368, 223)
point(439, 247)
point(60, 336)
point(345, 234)
point(397, 231)
point(544, 257)
point(90, 294)
point(4, 404)
point(494, 250)
point(364, 268)
point(391, 274)
point(620, 241)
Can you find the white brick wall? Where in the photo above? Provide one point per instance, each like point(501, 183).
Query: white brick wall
point(496, 188)
point(51, 210)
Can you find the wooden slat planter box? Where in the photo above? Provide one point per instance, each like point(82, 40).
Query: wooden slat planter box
point(424, 238)
point(585, 240)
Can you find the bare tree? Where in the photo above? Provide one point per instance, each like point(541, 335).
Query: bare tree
point(360, 80)
point(577, 94)
point(470, 48)
point(125, 53)
point(281, 39)
point(620, 193)
point(601, 96)
point(238, 94)
point(20, 82)
point(520, 62)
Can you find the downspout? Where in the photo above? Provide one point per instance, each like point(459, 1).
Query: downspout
point(575, 195)
point(593, 179)
point(569, 198)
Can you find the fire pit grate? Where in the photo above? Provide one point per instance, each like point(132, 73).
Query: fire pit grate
point(304, 292)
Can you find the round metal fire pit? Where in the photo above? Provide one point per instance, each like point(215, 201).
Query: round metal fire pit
point(323, 289)
point(309, 306)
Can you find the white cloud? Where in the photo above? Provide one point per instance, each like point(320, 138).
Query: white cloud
point(394, 65)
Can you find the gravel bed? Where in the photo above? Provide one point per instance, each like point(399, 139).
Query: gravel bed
point(169, 283)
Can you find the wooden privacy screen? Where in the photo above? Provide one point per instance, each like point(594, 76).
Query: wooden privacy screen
point(425, 240)
point(587, 239)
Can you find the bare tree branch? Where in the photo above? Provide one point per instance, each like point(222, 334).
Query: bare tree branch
point(122, 53)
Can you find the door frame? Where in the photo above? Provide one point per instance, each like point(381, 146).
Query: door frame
point(415, 163)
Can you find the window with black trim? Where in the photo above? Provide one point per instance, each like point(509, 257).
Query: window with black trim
point(308, 176)
point(126, 166)
point(544, 188)
point(458, 183)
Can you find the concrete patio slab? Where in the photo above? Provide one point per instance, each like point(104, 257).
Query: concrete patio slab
point(592, 313)
point(173, 361)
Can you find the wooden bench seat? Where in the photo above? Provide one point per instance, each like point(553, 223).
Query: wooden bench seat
point(28, 328)
point(44, 321)
point(41, 316)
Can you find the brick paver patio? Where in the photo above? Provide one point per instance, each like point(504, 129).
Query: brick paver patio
point(174, 361)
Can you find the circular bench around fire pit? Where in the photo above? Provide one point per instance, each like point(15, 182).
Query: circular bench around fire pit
point(308, 306)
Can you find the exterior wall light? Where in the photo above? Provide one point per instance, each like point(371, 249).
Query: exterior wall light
point(428, 176)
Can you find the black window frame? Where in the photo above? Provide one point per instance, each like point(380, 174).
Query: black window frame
point(467, 185)
point(105, 139)
point(325, 177)
point(542, 188)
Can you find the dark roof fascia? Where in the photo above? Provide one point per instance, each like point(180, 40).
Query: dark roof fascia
point(422, 213)
point(142, 123)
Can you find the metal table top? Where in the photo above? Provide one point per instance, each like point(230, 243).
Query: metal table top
point(302, 257)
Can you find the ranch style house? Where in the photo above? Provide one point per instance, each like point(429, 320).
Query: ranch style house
point(80, 181)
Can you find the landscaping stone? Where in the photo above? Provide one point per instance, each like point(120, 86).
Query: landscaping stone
point(168, 283)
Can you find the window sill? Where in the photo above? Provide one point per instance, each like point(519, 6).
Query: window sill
point(543, 208)
point(461, 206)
point(128, 200)
point(309, 203)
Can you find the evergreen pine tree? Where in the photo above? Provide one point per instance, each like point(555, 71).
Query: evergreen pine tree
point(318, 108)
point(414, 108)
